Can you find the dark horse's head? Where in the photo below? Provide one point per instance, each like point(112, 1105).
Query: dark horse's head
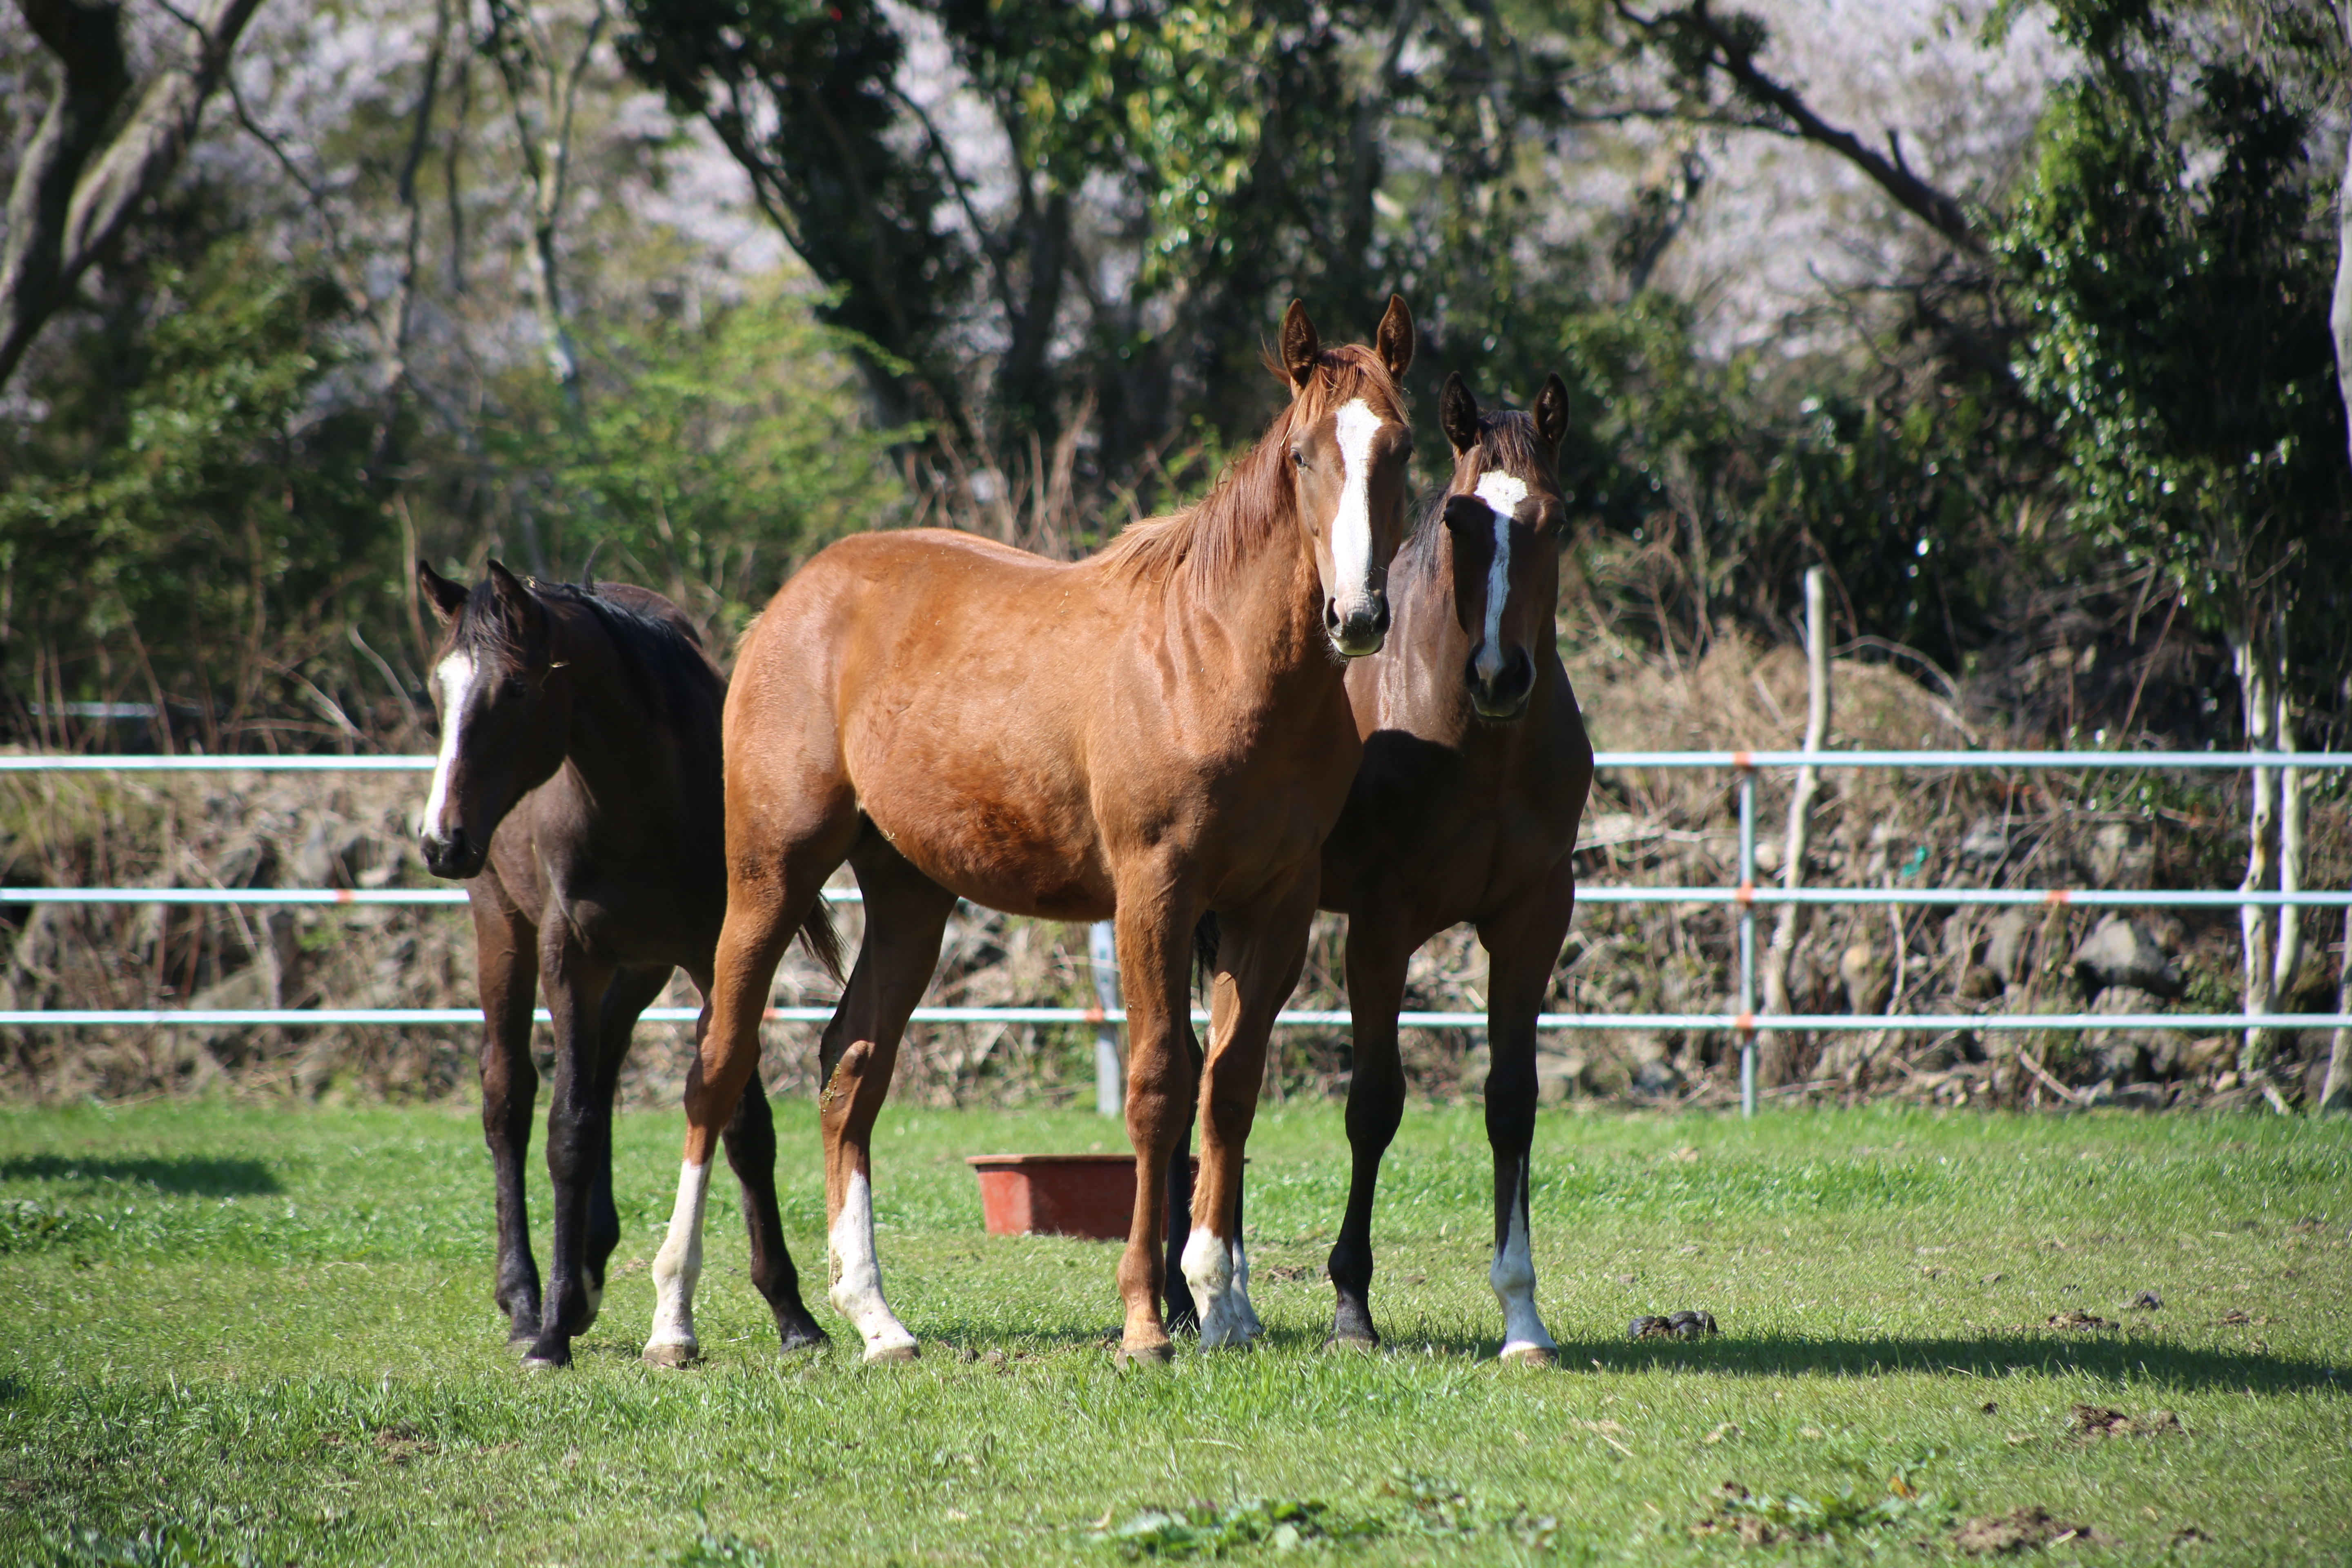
point(1505, 514)
point(500, 739)
point(1348, 446)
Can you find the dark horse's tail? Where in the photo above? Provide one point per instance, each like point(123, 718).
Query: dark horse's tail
point(822, 941)
point(1204, 950)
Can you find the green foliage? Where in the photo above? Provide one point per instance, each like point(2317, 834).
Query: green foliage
point(171, 1546)
point(2168, 253)
point(1212, 1530)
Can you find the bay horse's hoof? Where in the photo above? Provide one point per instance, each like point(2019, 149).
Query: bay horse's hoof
point(1160, 1354)
point(1361, 1345)
point(1528, 1355)
point(547, 1358)
point(798, 1338)
point(880, 1354)
point(672, 1355)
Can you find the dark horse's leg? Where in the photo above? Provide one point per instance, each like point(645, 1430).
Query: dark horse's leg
point(750, 1139)
point(1182, 1316)
point(1523, 943)
point(507, 958)
point(579, 1132)
point(1377, 951)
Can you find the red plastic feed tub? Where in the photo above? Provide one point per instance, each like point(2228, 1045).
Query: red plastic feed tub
point(1090, 1195)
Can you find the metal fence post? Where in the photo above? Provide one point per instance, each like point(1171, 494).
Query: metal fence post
point(1110, 1070)
point(1747, 1008)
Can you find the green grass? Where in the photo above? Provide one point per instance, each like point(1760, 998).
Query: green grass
point(270, 1331)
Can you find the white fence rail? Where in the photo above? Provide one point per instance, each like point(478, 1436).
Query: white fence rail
point(1742, 1021)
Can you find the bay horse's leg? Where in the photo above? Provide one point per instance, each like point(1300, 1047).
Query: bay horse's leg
point(1523, 945)
point(1155, 964)
point(1176, 1294)
point(578, 1112)
point(906, 914)
point(1258, 961)
point(771, 885)
point(1378, 954)
point(507, 958)
point(630, 993)
point(751, 1153)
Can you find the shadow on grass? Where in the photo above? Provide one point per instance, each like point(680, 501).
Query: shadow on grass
point(193, 1176)
point(2115, 1356)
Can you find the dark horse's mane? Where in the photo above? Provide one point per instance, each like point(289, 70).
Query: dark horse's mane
point(656, 645)
point(1506, 443)
point(1212, 540)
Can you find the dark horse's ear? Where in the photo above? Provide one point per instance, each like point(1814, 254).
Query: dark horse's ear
point(1394, 340)
point(1457, 414)
point(446, 597)
point(1299, 346)
point(521, 605)
point(1551, 412)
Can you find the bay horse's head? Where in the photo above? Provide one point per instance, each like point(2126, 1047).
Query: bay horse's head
point(500, 737)
point(1350, 446)
point(1505, 514)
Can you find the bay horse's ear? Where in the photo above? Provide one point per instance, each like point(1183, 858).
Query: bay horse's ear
point(520, 602)
point(446, 597)
point(1551, 412)
point(1299, 345)
point(1457, 414)
point(1394, 340)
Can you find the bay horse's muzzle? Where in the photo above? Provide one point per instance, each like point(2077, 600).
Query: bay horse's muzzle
point(1506, 696)
point(453, 855)
point(1364, 630)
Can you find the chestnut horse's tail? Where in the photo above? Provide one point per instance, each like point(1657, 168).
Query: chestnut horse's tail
point(823, 942)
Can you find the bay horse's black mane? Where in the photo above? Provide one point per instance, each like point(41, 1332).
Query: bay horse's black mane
point(656, 645)
point(1507, 442)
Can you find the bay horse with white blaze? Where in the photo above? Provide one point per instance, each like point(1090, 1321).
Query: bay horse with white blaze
point(577, 796)
point(1153, 734)
point(1474, 775)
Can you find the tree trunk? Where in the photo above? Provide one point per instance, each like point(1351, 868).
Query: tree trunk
point(2293, 810)
point(2336, 1092)
point(1773, 1046)
point(2255, 680)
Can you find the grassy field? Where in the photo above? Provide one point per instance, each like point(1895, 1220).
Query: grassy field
point(270, 1331)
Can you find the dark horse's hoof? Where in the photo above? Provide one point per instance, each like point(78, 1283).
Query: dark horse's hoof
point(548, 1355)
point(800, 1336)
point(1364, 1345)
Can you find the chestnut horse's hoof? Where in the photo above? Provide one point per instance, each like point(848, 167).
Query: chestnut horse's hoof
point(672, 1355)
point(1160, 1354)
point(1528, 1355)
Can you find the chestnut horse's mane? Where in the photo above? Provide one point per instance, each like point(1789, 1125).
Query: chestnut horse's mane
point(1215, 538)
point(1507, 443)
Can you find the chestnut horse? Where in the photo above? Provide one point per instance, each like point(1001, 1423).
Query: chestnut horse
point(1475, 774)
point(577, 796)
point(1150, 735)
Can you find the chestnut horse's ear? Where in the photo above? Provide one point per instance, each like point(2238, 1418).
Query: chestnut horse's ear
point(1394, 340)
point(1299, 346)
point(1551, 412)
point(1457, 414)
point(519, 602)
point(446, 597)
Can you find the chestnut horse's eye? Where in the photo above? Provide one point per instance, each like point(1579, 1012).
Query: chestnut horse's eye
point(1298, 456)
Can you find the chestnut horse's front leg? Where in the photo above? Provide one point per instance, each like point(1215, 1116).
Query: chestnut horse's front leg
point(1155, 955)
point(1259, 953)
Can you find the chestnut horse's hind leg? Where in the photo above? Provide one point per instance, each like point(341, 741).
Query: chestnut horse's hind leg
point(1258, 964)
point(1524, 944)
point(769, 889)
point(906, 912)
point(751, 1153)
point(1378, 952)
point(506, 949)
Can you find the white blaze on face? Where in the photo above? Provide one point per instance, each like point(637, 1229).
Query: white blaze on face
point(1502, 493)
point(857, 1275)
point(456, 678)
point(1351, 528)
point(1513, 1275)
point(676, 1267)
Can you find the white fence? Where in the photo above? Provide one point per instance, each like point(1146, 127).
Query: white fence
point(1742, 1021)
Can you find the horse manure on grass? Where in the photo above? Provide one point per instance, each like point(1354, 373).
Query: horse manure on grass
point(2002, 1535)
point(2071, 1317)
point(2093, 1421)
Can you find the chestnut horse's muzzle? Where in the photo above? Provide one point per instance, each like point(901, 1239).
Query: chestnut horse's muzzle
point(453, 855)
point(1363, 629)
point(1506, 696)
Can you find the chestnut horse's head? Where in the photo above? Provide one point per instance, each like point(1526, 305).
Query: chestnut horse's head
point(500, 739)
point(1349, 446)
point(1505, 514)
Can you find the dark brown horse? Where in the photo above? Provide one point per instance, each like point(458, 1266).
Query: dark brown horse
point(577, 796)
point(1154, 734)
point(1474, 773)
